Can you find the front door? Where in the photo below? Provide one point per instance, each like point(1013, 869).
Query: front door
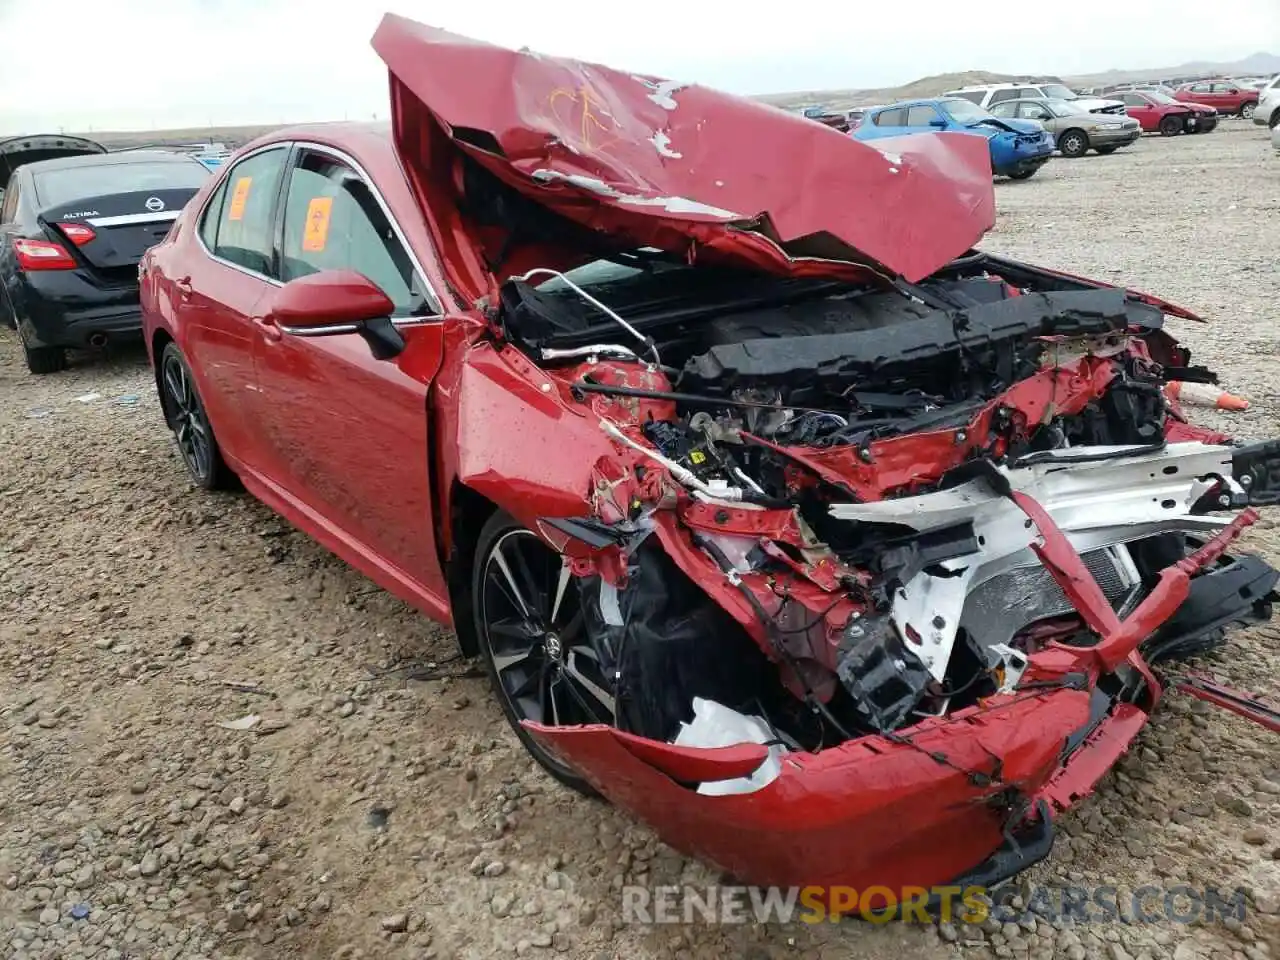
point(347, 434)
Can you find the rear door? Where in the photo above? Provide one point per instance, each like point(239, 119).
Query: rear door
point(111, 213)
point(346, 434)
point(228, 270)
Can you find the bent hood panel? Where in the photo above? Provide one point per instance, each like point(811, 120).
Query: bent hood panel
point(688, 169)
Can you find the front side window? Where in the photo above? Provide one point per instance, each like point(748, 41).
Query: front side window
point(241, 230)
point(973, 96)
point(1006, 109)
point(921, 116)
point(333, 221)
point(1134, 100)
point(1001, 95)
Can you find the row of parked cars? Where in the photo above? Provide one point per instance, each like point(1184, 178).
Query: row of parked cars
point(1026, 123)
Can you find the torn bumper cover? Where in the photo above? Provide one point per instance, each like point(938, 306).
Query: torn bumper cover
point(979, 787)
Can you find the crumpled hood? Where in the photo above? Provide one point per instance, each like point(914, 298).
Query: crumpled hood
point(650, 162)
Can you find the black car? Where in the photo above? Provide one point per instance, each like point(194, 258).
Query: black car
point(72, 230)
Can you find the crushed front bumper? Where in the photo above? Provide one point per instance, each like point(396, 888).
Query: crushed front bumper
point(970, 795)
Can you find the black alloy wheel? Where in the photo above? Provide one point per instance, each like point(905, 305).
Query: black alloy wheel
point(1171, 125)
point(529, 621)
point(185, 414)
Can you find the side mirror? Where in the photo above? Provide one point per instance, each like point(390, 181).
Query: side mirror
point(940, 124)
point(334, 302)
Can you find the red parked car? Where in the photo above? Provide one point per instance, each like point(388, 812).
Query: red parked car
point(1223, 95)
point(837, 550)
point(1158, 112)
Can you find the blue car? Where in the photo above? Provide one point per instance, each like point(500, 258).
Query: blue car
point(1018, 147)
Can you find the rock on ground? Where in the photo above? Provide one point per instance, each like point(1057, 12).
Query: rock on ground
point(365, 815)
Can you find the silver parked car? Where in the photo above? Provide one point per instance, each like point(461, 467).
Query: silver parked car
point(1074, 128)
point(1267, 112)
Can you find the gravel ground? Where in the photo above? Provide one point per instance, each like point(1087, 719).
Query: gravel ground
point(370, 814)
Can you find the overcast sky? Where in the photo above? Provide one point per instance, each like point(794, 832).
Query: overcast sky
point(136, 64)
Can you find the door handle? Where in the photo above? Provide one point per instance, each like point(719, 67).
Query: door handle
point(270, 329)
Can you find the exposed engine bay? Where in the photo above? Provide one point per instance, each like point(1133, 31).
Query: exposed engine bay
point(847, 508)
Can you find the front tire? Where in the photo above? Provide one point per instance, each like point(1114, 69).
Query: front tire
point(1074, 143)
point(185, 414)
point(532, 635)
point(1247, 109)
point(1106, 151)
point(1024, 174)
point(1171, 126)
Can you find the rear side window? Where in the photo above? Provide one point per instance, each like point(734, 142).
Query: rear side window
point(973, 96)
point(332, 221)
point(58, 187)
point(891, 118)
point(237, 223)
point(1000, 95)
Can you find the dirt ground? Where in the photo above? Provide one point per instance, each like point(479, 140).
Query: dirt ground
point(372, 815)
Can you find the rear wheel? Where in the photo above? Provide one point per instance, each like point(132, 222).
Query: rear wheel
point(1024, 174)
point(1246, 109)
point(1171, 126)
point(532, 635)
point(185, 414)
point(42, 360)
point(1074, 143)
point(1106, 151)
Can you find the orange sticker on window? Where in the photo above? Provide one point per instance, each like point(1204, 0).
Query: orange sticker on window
point(239, 197)
point(316, 232)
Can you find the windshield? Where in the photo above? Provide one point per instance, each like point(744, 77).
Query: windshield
point(1059, 92)
point(962, 111)
point(1064, 108)
point(55, 188)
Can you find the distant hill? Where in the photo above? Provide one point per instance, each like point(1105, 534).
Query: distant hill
point(1258, 64)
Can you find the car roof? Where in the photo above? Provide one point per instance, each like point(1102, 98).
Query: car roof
point(108, 159)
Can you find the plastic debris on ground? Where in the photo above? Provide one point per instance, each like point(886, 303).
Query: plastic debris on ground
point(244, 723)
point(715, 725)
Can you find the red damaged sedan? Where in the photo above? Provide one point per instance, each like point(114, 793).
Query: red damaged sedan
point(772, 517)
point(1159, 112)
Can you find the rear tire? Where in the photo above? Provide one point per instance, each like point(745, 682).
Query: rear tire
point(44, 360)
point(184, 413)
point(1171, 126)
point(1074, 143)
point(1024, 174)
point(1106, 151)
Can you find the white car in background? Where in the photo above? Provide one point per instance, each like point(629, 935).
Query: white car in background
point(988, 94)
point(1267, 112)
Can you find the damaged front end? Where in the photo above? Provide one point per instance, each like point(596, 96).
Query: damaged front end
point(921, 547)
point(863, 543)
